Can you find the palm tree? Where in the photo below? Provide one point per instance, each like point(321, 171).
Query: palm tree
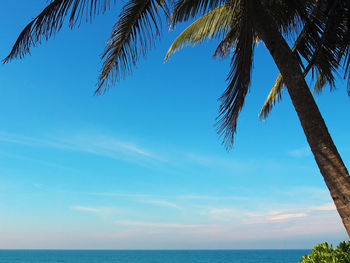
point(334, 44)
point(257, 19)
point(240, 24)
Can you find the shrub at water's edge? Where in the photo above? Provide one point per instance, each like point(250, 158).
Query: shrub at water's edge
point(324, 253)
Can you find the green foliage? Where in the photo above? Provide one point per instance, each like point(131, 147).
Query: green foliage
point(213, 24)
point(324, 253)
point(323, 43)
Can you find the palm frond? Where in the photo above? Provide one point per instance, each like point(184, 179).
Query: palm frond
point(228, 43)
point(274, 96)
point(286, 14)
point(213, 24)
point(239, 76)
point(347, 66)
point(300, 46)
point(319, 84)
point(185, 9)
point(139, 25)
point(347, 52)
point(323, 45)
point(50, 21)
point(276, 91)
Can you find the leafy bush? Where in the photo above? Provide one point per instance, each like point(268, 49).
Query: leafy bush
point(325, 253)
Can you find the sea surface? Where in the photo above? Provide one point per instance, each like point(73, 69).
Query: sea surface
point(151, 256)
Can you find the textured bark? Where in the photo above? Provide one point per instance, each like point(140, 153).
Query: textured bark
point(326, 154)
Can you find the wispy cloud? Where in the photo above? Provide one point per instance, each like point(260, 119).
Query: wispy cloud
point(175, 197)
point(300, 152)
point(109, 146)
point(117, 194)
point(144, 198)
point(85, 209)
point(38, 161)
point(320, 193)
point(155, 224)
point(324, 207)
point(251, 217)
point(163, 203)
point(170, 201)
point(210, 197)
point(94, 210)
point(283, 217)
point(103, 145)
point(289, 214)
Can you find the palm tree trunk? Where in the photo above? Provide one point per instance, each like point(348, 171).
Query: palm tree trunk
point(326, 154)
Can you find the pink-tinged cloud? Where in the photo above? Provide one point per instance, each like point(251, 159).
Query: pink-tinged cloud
point(85, 209)
point(154, 224)
point(162, 203)
point(286, 216)
point(94, 210)
point(324, 207)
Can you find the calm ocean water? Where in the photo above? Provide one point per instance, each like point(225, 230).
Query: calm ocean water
point(151, 256)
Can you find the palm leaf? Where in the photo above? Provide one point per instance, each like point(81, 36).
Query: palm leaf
point(274, 96)
point(323, 44)
point(213, 24)
point(185, 9)
point(50, 21)
point(347, 66)
point(276, 91)
point(228, 43)
point(319, 84)
point(138, 26)
point(347, 53)
point(232, 100)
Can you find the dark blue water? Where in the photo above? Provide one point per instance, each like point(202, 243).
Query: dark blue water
point(151, 256)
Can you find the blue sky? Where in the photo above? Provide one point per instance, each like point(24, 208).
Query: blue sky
point(142, 165)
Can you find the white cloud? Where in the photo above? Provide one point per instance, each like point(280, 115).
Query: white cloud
point(250, 216)
point(210, 197)
point(144, 198)
point(289, 214)
point(283, 217)
point(97, 144)
point(300, 152)
point(162, 203)
point(154, 224)
point(129, 195)
point(324, 207)
point(156, 198)
point(85, 209)
point(94, 210)
point(109, 146)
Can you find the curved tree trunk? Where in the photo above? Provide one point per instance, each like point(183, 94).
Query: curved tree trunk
point(326, 154)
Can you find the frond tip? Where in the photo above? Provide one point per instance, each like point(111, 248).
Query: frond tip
point(213, 24)
point(186, 9)
point(274, 96)
point(138, 26)
point(50, 21)
point(239, 78)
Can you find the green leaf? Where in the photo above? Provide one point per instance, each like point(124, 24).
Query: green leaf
point(213, 24)
point(50, 21)
point(139, 25)
point(274, 96)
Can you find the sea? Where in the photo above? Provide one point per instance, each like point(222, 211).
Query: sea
point(152, 256)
